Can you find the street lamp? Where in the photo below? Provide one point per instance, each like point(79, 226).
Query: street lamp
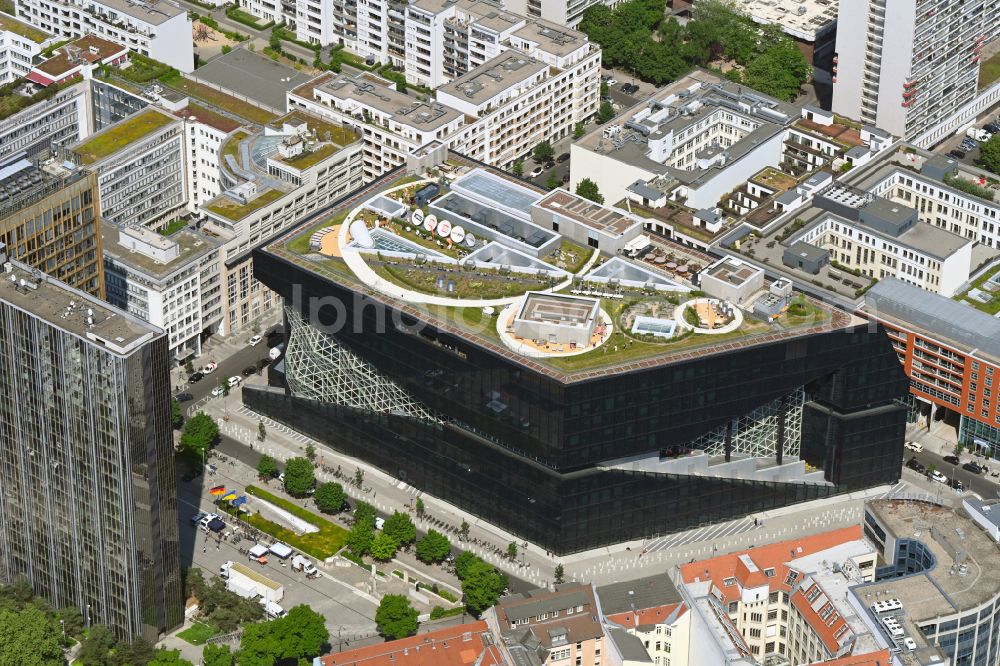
point(62, 623)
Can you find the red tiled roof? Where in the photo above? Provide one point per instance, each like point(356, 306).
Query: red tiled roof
point(654, 615)
point(461, 645)
point(770, 556)
point(832, 630)
point(880, 658)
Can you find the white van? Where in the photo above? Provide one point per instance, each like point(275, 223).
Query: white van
point(916, 447)
point(271, 609)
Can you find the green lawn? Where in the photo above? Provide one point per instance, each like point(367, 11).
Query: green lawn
point(571, 256)
point(197, 633)
point(173, 227)
point(989, 71)
point(232, 145)
point(312, 157)
point(247, 19)
point(10, 24)
point(222, 100)
point(231, 209)
point(468, 284)
point(300, 244)
point(122, 134)
point(993, 306)
point(321, 545)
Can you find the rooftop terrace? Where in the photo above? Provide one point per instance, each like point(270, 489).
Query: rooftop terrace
point(493, 77)
point(121, 135)
point(937, 591)
point(475, 320)
point(396, 105)
point(594, 215)
point(331, 137)
point(190, 246)
point(88, 49)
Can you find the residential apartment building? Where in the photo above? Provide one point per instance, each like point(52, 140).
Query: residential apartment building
point(48, 220)
point(78, 58)
point(652, 610)
point(174, 282)
point(139, 163)
point(950, 353)
point(781, 599)
point(908, 66)
point(88, 507)
point(159, 29)
point(20, 43)
point(880, 238)
point(496, 113)
point(299, 165)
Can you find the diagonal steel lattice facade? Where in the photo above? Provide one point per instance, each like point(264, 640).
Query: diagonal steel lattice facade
point(757, 432)
point(320, 368)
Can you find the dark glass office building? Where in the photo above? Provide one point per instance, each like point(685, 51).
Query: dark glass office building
point(547, 455)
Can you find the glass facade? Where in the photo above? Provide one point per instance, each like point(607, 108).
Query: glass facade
point(524, 449)
point(87, 487)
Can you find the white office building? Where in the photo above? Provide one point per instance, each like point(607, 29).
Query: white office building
point(908, 66)
point(159, 29)
point(19, 45)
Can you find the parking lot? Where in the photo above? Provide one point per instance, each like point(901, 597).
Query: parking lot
point(955, 142)
point(340, 595)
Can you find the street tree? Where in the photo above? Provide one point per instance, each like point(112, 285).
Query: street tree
point(330, 497)
point(420, 508)
point(199, 434)
point(217, 655)
point(302, 632)
point(463, 531)
point(482, 586)
point(552, 182)
point(989, 154)
point(543, 152)
point(605, 112)
point(189, 367)
point(311, 453)
point(383, 547)
point(164, 657)
point(139, 651)
point(29, 637)
point(512, 551)
point(463, 561)
point(359, 538)
point(359, 477)
point(261, 430)
point(395, 617)
point(267, 467)
point(588, 189)
point(560, 574)
point(176, 416)
point(401, 528)
point(299, 476)
point(517, 168)
point(97, 647)
point(579, 129)
point(365, 513)
point(433, 548)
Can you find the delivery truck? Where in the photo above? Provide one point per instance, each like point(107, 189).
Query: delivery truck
point(305, 565)
point(249, 584)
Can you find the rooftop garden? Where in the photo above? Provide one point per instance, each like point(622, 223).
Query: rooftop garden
point(173, 227)
point(231, 209)
point(569, 256)
point(989, 71)
point(220, 99)
point(11, 24)
point(211, 118)
point(968, 186)
point(232, 145)
point(456, 282)
point(993, 305)
point(12, 101)
point(121, 134)
point(300, 243)
point(771, 177)
point(311, 158)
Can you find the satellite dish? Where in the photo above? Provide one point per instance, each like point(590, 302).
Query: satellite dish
point(457, 234)
point(444, 228)
point(417, 217)
point(430, 222)
point(470, 240)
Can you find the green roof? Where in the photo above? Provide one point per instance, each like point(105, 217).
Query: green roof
point(11, 24)
point(230, 209)
point(121, 134)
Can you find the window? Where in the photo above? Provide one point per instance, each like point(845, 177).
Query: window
point(559, 655)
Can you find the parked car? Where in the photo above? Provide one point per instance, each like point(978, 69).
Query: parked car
point(916, 447)
point(956, 484)
point(973, 467)
point(217, 391)
point(937, 476)
point(992, 128)
point(916, 465)
point(234, 381)
point(562, 158)
point(958, 153)
point(210, 367)
point(196, 377)
point(255, 340)
point(536, 172)
point(970, 143)
point(249, 370)
point(952, 459)
point(611, 82)
point(183, 397)
point(196, 518)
